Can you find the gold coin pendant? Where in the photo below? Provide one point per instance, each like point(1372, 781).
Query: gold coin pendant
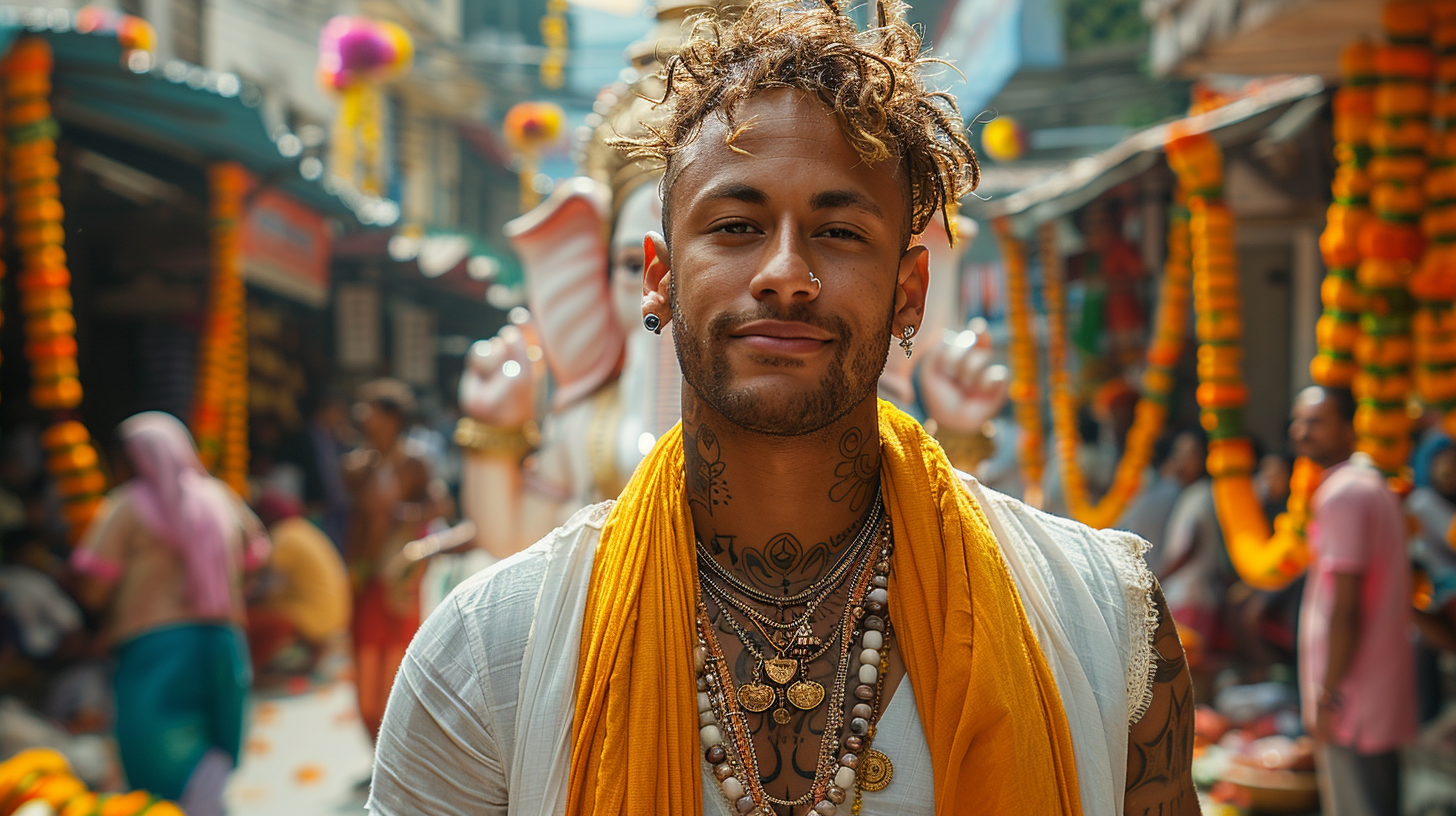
point(875, 770)
point(805, 695)
point(781, 716)
point(755, 697)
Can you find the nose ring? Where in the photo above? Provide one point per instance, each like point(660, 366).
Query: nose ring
point(817, 283)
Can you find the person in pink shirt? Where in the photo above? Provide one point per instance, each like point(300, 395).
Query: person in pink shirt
point(1356, 661)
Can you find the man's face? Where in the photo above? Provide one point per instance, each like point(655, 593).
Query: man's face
point(1318, 431)
point(785, 257)
point(1188, 456)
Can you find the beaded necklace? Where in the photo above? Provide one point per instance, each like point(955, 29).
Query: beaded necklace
point(727, 738)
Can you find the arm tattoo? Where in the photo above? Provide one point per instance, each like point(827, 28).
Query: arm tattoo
point(856, 474)
point(706, 486)
point(1160, 745)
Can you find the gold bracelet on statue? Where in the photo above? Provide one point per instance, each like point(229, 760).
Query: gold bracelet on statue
point(965, 449)
point(477, 436)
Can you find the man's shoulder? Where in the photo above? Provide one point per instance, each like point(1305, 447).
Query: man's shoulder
point(514, 582)
point(1047, 529)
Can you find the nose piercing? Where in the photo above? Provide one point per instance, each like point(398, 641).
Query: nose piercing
point(816, 281)
point(652, 323)
point(905, 342)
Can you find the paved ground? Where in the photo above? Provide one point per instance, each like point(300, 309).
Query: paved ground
point(304, 755)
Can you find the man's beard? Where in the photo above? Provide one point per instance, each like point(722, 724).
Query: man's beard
point(853, 373)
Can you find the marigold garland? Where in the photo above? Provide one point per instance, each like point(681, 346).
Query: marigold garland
point(1338, 330)
point(220, 410)
point(1433, 286)
point(1391, 244)
point(50, 326)
point(1158, 378)
point(1025, 392)
point(43, 775)
point(1262, 560)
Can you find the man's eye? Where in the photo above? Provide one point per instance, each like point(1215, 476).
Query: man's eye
point(842, 233)
point(736, 228)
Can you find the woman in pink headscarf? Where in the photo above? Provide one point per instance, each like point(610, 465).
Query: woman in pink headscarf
point(163, 565)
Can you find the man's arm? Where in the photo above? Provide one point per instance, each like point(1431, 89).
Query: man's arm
point(1344, 640)
point(1160, 745)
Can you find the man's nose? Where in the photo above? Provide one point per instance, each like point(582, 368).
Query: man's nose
point(787, 271)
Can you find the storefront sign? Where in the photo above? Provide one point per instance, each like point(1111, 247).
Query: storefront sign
point(286, 248)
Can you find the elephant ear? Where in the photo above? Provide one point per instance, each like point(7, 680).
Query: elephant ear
point(942, 303)
point(564, 253)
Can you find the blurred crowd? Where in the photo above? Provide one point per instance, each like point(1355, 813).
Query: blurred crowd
point(133, 652)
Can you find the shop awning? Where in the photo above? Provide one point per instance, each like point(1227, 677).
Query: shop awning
point(1256, 37)
point(182, 110)
point(1083, 180)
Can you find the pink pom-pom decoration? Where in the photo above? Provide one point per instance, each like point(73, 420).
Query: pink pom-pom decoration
point(352, 49)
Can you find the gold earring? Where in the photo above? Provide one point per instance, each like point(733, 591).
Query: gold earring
point(906, 343)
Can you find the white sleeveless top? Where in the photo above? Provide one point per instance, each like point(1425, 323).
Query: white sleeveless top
point(479, 720)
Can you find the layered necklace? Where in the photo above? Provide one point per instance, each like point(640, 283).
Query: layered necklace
point(859, 640)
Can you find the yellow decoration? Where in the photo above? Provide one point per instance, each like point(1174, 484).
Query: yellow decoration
point(50, 325)
point(43, 775)
point(1263, 560)
point(1025, 390)
point(220, 408)
point(558, 44)
point(1152, 408)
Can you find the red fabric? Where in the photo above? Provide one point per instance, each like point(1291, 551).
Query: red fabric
point(268, 634)
point(381, 634)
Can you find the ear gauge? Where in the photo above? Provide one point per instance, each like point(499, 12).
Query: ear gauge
point(652, 323)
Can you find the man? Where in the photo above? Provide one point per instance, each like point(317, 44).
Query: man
point(1178, 461)
point(1356, 665)
point(863, 631)
point(394, 500)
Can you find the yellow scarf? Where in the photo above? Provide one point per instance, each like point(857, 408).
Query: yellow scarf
point(998, 735)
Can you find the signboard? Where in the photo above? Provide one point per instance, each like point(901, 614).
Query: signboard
point(415, 348)
point(286, 248)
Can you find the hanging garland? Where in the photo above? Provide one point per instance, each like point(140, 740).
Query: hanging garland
point(220, 412)
point(1025, 392)
point(1262, 560)
point(1338, 330)
point(1433, 286)
point(43, 775)
point(50, 326)
point(1158, 379)
point(1391, 244)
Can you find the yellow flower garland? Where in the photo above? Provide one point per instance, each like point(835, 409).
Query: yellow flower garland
point(1264, 561)
point(1025, 392)
point(220, 410)
point(1434, 285)
point(1338, 330)
point(1158, 378)
point(50, 326)
point(43, 775)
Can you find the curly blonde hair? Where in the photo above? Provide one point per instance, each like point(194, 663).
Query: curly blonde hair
point(872, 81)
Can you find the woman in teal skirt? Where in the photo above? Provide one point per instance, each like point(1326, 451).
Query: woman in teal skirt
point(163, 564)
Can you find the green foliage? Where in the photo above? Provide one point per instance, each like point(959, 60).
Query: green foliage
point(1092, 23)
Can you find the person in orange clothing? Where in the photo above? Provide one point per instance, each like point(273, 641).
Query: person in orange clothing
point(394, 502)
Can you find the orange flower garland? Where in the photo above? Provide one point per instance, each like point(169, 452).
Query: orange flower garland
point(1158, 379)
point(1338, 330)
point(220, 415)
point(42, 775)
point(1025, 392)
point(50, 327)
point(1433, 286)
point(1391, 244)
point(1262, 560)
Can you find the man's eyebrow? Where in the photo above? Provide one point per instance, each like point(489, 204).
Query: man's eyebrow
point(836, 199)
point(737, 191)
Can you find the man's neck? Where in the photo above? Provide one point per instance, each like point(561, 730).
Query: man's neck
point(778, 511)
